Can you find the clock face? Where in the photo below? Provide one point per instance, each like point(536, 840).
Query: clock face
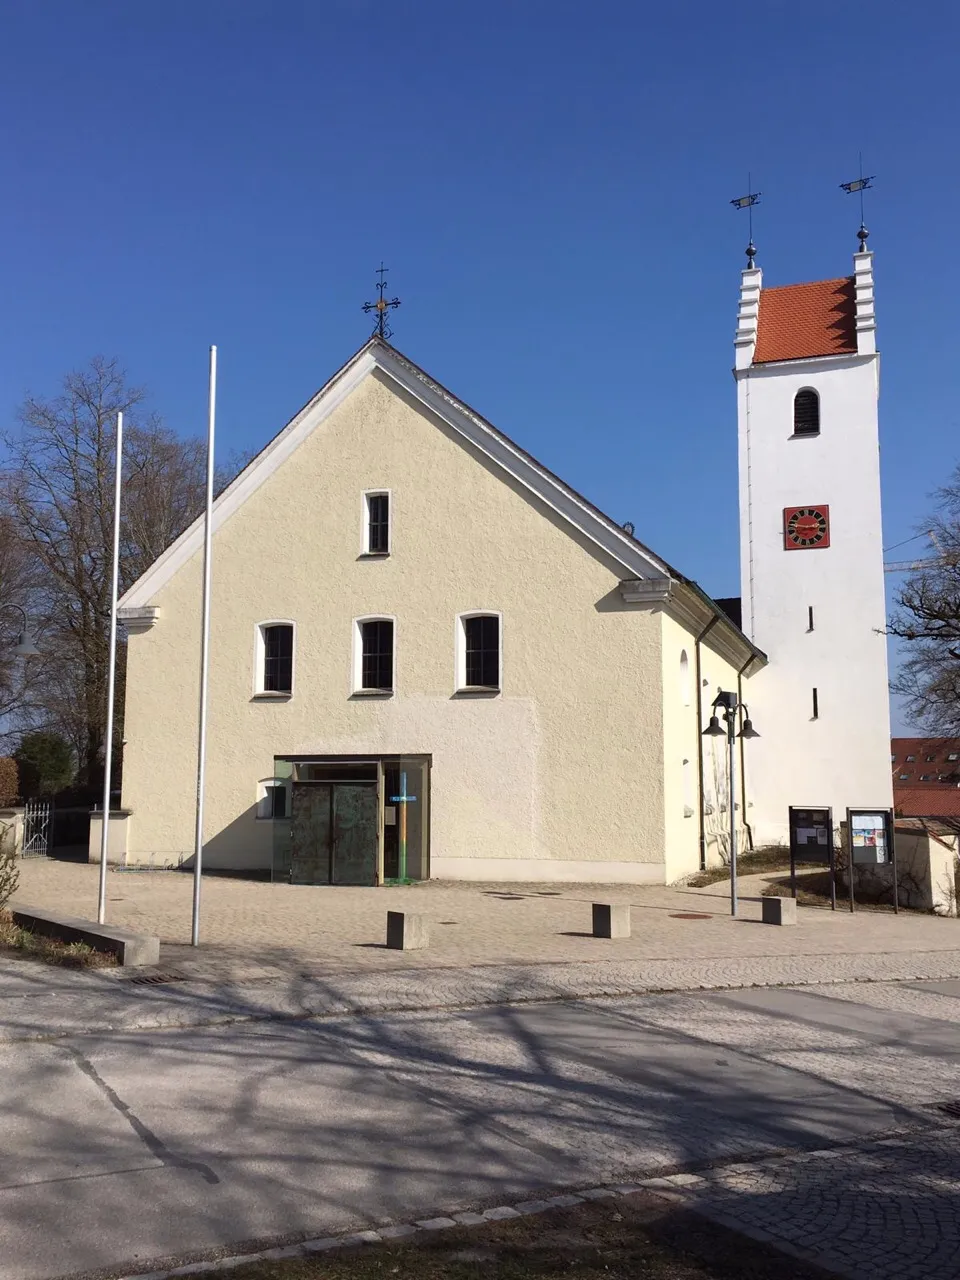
point(806, 527)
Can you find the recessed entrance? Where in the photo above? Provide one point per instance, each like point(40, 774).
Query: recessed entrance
point(353, 820)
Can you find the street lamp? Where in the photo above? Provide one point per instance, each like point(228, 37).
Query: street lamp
point(728, 704)
point(26, 646)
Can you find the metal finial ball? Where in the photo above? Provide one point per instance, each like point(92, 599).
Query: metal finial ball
point(751, 253)
point(863, 234)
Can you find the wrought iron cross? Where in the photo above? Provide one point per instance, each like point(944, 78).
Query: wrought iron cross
point(860, 185)
point(747, 202)
point(382, 306)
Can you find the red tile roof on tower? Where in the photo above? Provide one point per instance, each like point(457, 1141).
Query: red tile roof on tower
point(798, 321)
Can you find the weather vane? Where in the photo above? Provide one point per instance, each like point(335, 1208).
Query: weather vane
point(747, 202)
point(860, 185)
point(382, 306)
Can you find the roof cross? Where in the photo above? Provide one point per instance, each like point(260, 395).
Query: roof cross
point(860, 185)
point(382, 306)
point(747, 202)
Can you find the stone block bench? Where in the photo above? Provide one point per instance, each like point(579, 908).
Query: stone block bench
point(128, 947)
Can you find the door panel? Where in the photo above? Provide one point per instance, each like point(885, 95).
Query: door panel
point(355, 824)
point(310, 834)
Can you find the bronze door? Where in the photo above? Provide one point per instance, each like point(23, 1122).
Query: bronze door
point(334, 835)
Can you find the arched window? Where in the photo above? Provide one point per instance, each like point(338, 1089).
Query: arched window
point(684, 678)
point(806, 413)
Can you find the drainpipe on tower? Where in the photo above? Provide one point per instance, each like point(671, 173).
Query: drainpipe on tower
point(743, 760)
point(699, 678)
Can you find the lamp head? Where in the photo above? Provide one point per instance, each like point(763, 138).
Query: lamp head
point(714, 729)
point(748, 731)
point(26, 646)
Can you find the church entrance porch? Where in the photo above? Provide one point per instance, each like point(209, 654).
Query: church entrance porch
point(353, 820)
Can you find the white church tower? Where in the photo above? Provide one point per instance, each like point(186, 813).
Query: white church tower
point(811, 567)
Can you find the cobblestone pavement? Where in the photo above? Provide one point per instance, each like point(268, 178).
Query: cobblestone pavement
point(254, 931)
point(884, 1210)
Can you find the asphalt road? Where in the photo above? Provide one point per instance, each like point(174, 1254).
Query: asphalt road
point(117, 1149)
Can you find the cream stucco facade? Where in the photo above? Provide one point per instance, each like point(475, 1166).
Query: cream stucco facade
point(574, 770)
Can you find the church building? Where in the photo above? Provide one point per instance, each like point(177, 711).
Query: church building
point(430, 657)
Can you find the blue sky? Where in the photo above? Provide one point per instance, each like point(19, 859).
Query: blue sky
point(549, 184)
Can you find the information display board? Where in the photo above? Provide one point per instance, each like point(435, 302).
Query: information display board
point(811, 840)
point(871, 844)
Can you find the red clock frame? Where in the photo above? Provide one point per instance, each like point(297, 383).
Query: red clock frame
point(806, 528)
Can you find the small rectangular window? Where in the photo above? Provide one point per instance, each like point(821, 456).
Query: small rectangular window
point(376, 661)
point(481, 637)
point(377, 533)
point(273, 802)
point(926, 777)
point(911, 759)
point(904, 777)
point(810, 617)
point(276, 675)
point(816, 705)
point(953, 755)
point(931, 759)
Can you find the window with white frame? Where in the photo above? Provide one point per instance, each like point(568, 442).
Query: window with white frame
point(373, 655)
point(274, 658)
point(479, 645)
point(273, 800)
point(376, 523)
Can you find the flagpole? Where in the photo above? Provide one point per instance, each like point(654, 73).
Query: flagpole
point(111, 681)
point(204, 653)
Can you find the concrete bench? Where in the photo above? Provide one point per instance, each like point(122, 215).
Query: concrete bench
point(128, 947)
point(611, 920)
point(406, 932)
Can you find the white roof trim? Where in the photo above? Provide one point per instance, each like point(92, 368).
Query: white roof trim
point(635, 559)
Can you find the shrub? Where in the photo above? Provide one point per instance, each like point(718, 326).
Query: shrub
point(9, 874)
point(9, 781)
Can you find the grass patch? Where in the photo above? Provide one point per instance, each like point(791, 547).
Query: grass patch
point(634, 1238)
point(774, 858)
point(813, 890)
point(35, 946)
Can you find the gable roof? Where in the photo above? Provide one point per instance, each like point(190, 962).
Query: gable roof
point(800, 321)
point(635, 559)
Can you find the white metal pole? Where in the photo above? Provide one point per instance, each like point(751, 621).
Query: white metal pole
point(731, 725)
point(204, 653)
point(111, 681)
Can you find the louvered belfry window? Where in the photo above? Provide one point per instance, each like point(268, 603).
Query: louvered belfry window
point(806, 413)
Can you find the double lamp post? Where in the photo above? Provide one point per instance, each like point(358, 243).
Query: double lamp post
point(728, 704)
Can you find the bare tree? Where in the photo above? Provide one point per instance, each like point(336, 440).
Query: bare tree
point(61, 500)
point(18, 678)
point(927, 617)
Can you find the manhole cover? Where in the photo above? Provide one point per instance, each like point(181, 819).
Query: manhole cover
point(688, 915)
point(155, 979)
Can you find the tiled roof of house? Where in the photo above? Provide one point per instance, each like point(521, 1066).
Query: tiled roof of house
point(798, 321)
point(925, 761)
point(927, 802)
